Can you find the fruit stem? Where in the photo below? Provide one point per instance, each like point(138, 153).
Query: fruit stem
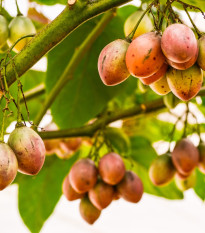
point(73, 63)
point(18, 10)
point(34, 92)
point(186, 120)
point(131, 35)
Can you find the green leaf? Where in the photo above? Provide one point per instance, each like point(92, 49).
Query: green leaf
point(199, 188)
point(85, 95)
point(38, 195)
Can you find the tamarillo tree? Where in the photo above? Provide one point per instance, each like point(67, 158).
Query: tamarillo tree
point(82, 106)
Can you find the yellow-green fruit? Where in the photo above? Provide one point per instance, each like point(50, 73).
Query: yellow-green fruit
point(161, 87)
point(201, 56)
point(185, 84)
point(142, 88)
point(201, 164)
point(162, 170)
point(4, 31)
point(20, 26)
point(170, 101)
point(185, 184)
point(144, 26)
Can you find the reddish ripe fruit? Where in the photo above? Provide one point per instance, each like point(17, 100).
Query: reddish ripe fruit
point(155, 77)
point(116, 195)
point(101, 195)
point(29, 150)
point(144, 56)
point(201, 164)
point(185, 157)
point(111, 63)
point(83, 175)
point(88, 211)
point(69, 192)
point(8, 165)
point(111, 168)
point(131, 187)
point(179, 43)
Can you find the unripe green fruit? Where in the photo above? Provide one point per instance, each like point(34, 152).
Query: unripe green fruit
point(4, 31)
point(28, 148)
point(170, 100)
point(20, 26)
point(201, 164)
point(8, 165)
point(201, 56)
point(185, 184)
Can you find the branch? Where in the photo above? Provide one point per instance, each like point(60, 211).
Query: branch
point(56, 31)
point(34, 92)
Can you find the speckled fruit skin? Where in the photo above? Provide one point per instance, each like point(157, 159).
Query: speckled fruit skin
point(131, 187)
point(155, 77)
point(8, 165)
point(101, 195)
point(69, 192)
point(144, 26)
point(111, 63)
point(88, 211)
point(111, 168)
point(18, 27)
point(29, 150)
point(201, 56)
point(185, 157)
point(83, 175)
point(161, 86)
point(144, 56)
point(186, 183)
point(201, 164)
point(179, 43)
point(162, 170)
point(4, 31)
point(185, 84)
point(185, 65)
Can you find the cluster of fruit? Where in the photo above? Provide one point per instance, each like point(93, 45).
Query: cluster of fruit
point(181, 162)
point(10, 32)
point(172, 61)
point(98, 187)
point(24, 152)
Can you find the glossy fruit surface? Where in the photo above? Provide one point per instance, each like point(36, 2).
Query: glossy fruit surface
point(68, 191)
point(131, 187)
point(144, 26)
point(83, 175)
point(185, 157)
point(201, 57)
point(4, 31)
point(111, 63)
point(28, 148)
point(101, 195)
point(111, 168)
point(18, 27)
point(8, 165)
point(162, 170)
point(144, 56)
point(88, 211)
point(185, 84)
point(161, 86)
point(179, 43)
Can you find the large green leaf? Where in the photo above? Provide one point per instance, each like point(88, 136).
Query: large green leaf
point(85, 95)
point(38, 195)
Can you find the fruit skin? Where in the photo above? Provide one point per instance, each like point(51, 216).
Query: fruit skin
point(8, 165)
point(144, 26)
point(29, 150)
point(131, 187)
point(185, 65)
point(101, 195)
point(185, 157)
point(144, 56)
point(162, 170)
point(171, 101)
point(88, 211)
point(111, 63)
point(185, 84)
point(201, 56)
point(201, 164)
point(187, 183)
point(83, 175)
point(161, 86)
point(111, 168)
point(179, 43)
point(155, 77)
point(4, 31)
point(18, 27)
point(68, 191)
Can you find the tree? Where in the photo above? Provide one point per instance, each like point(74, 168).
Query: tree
point(82, 106)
